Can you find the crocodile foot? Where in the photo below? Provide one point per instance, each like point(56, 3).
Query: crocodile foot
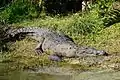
point(38, 51)
point(55, 58)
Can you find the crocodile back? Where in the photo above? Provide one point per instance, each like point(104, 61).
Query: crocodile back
point(37, 33)
point(31, 31)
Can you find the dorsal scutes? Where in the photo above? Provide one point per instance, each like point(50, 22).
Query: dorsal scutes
point(22, 30)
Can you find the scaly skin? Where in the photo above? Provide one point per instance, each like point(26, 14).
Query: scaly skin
point(60, 44)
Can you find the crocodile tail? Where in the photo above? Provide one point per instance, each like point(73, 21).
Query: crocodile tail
point(14, 32)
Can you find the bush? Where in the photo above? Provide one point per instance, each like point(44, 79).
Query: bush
point(88, 23)
point(18, 11)
point(113, 15)
point(107, 13)
point(62, 6)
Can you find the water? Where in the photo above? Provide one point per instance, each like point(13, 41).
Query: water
point(52, 73)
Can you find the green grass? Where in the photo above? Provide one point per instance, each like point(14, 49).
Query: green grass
point(85, 30)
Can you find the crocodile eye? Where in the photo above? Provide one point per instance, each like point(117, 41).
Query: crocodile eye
point(70, 48)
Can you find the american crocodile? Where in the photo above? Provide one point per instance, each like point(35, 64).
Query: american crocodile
point(60, 44)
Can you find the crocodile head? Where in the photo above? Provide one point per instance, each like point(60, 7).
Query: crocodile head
point(86, 51)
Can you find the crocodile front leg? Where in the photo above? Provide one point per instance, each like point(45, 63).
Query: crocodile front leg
point(54, 57)
point(38, 48)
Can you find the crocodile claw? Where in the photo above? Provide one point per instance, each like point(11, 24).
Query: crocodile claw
point(38, 51)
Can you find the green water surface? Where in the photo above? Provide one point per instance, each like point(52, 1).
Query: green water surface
point(6, 74)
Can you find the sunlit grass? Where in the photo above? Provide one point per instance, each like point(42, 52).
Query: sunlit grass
point(22, 53)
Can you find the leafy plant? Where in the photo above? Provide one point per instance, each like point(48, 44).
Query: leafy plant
point(18, 11)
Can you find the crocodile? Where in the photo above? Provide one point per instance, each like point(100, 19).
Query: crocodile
point(60, 44)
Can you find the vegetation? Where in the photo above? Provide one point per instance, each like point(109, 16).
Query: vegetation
point(86, 28)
